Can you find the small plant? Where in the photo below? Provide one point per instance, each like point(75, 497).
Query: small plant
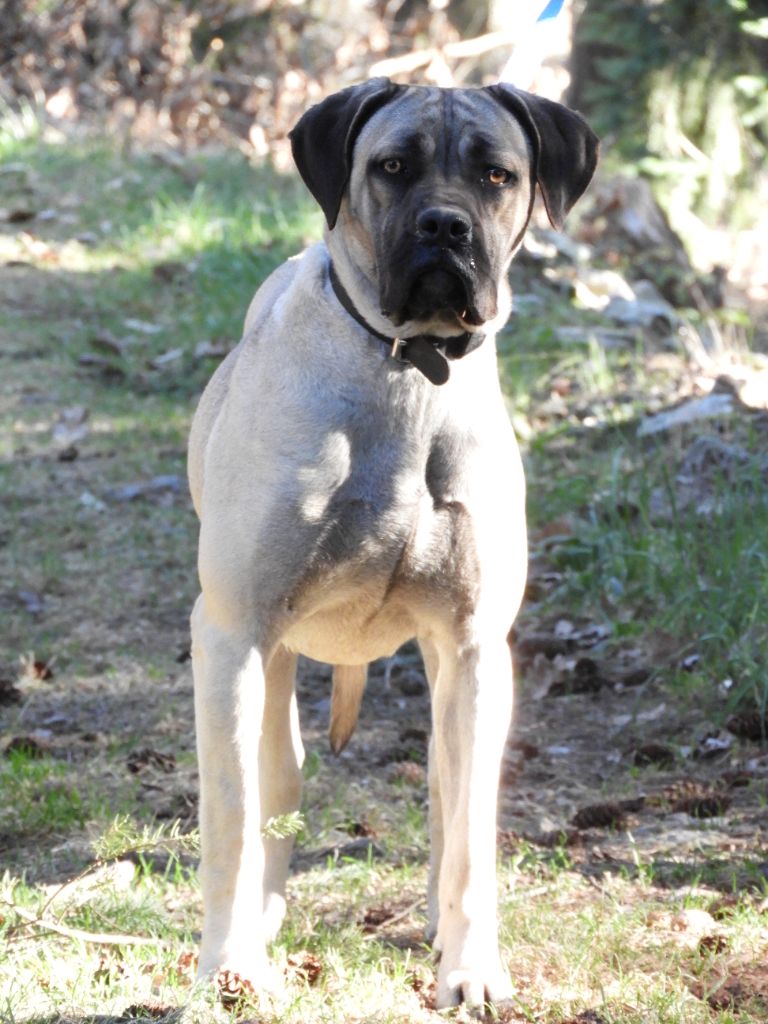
point(283, 826)
point(124, 837)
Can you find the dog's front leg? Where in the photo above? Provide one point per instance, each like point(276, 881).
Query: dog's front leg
point(229, 706)
point(431, 664)
point(472, 705)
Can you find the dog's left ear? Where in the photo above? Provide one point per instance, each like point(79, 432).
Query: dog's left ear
point(564, 147)
point(324, 137)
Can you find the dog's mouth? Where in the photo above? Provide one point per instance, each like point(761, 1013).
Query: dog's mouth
point(439, 293)
point(435, 292)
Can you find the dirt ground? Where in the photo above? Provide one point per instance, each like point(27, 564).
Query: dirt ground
point(620, 778)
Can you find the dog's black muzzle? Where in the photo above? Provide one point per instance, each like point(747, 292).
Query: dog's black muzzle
point(435, 269)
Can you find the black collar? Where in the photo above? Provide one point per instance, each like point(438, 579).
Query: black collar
point(428, 353)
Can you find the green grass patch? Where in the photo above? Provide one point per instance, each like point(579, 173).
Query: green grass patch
point(42, 795)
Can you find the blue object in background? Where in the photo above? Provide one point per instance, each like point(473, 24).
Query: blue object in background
point(552, 10)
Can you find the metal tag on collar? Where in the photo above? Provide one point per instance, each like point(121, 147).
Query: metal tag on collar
point(397, 347)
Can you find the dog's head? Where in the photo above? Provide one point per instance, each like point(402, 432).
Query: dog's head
point(432, 188)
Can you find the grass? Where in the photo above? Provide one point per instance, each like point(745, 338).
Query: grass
point(699, 577)
point(41, 795)
point(108, 298)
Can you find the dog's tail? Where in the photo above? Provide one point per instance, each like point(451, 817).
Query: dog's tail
point(346, 696)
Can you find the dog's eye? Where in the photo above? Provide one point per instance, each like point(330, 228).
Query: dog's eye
point(393, 166)
point(497, 176)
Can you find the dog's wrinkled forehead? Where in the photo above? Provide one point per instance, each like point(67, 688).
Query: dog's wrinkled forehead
point(445, 129)
point(556, 143)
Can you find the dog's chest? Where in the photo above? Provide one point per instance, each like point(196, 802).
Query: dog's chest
point(391, 541)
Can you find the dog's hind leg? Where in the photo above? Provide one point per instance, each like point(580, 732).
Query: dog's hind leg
point(281, 755)
point(229, 706)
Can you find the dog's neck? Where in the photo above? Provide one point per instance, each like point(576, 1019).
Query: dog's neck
point(427, 352)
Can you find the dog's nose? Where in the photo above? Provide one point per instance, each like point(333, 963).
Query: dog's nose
point(444, 225)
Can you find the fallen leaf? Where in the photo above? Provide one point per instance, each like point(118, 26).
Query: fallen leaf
point(360, 828)
point(187, 962)
point(409, 772)
point(585, 678)
point(547, 673)
point(654, 753)
point(38, 249)
point(607, 815)
point(375, 917)
point(712, 944)
point(148, 1011)
point(423, 982)
point(109, 969)
point(712, 806)
point(527, 750)
point(138, 760)
point(20, 215)
point(36, 668)
point(748, 725)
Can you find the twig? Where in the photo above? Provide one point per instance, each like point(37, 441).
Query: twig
point(463, 48)
point(100, 938)
point(406, 912)
point(528, 894)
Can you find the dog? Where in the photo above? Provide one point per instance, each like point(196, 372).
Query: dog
point(358, 485)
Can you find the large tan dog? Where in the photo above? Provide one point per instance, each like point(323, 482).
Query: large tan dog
point(353, 493)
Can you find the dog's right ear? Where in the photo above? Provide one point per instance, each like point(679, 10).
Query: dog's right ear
point(564, 147)
point(325, 135)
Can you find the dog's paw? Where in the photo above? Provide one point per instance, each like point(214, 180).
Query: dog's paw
point(476, 983)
